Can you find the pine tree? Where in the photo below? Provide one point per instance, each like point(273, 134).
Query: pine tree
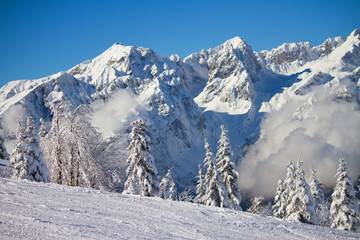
point(165, 185)
point(279, 208)
point(288, 186)
point(172, 191)
point(27, 159)
point(141, 170)
point(301, 205)
point(322, 211)
point(43, 129)
point(227, 170)
point(18, 157)
point(256, 207)
point(200, 187)
point(344, 208)
point(215, 194)
point(3, 153)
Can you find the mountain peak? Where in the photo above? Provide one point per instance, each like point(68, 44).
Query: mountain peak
point(356, 32)
point(236, 42)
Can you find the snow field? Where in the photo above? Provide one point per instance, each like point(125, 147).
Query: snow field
point(31, 210)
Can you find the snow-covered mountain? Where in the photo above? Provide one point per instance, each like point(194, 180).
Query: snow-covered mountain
point(184, 100)
point(30, 210)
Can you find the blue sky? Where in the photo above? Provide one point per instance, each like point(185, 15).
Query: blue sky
point(39, 38)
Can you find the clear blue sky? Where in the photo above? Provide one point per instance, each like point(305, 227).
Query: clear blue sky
point(39, 38)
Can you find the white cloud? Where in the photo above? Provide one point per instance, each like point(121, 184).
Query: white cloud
point(116, 113)
point(315, 126)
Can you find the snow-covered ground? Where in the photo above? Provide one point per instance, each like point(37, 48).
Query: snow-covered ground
point(31, 210)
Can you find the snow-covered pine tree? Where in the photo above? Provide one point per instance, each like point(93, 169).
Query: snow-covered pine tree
point(42, 129)
point(344, 208)
point(288, 185)
point(301, 205)
point(200, 187)
point(322, 211)
point(141, 170)
point(38, 171)
point(279, 208)
point(215, 194)
point(256, 205)
point(18, 159)
point(3, 153)
point(165, 185)
point(227, 170)
point(28, 160)
point(172, 191)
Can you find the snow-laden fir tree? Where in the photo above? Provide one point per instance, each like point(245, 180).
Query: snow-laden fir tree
point(200, 187)
point(215, 193)
point(322, 211)
point(344, 206)
point(3, 153)
point(284, 190)
point(279, 208)
point(165, 185)
point(27, 159)
point(227, 170)
point(301, 205)
point(172, 191)
point(141, 171)
point(42, 129)
point(18, 160)
point(256, 207)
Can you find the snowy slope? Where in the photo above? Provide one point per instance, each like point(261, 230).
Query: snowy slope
point(47, 211)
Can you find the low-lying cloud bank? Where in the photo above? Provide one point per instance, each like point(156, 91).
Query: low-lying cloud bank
point(318, 127)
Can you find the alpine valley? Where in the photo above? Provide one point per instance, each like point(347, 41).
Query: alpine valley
point(265, 99)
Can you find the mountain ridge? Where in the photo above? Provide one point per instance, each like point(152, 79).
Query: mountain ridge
point(185, 100)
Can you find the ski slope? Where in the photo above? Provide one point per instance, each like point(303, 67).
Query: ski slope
point(31, 210)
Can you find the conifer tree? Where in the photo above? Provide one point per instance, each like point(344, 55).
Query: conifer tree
point(3, 153)
point(279, 208)
point(43, 129)
point(200, 187)
point(215, 194)
point(172, 191)
point(344, 208)
point(141, 170)
point(227, 170)
point(288, 185)
point(165, 185)
point(256, 207)
point(18, 160)
point(322, 211)
point(27, 159)
point(301, 205)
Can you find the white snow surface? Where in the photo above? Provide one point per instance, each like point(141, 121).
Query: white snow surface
point(31, 210)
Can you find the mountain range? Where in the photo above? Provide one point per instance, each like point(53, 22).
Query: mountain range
point(257, 96)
